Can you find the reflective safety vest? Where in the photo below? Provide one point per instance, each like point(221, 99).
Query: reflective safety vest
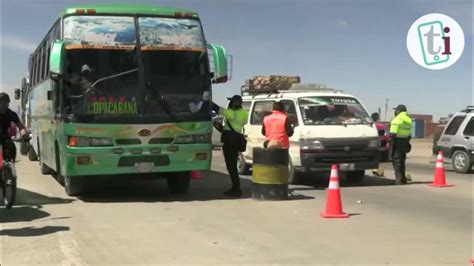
point(275, 128)
point(236, 118)
point(401, 125)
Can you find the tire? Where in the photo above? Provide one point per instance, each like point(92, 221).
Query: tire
point(293, 175)
point(461, 162)
point(178, 183)
point(45, 170)
point(24, 147)
point(73, 185)
point(58, 175)
point(32, 156)
point(9, 188)
point(384, 156)
point(242, 166)
point(355, 177)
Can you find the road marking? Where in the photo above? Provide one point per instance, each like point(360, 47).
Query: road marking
point(68, 248)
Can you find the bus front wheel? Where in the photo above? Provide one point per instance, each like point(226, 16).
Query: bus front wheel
point(178, 182)
point(74, 185)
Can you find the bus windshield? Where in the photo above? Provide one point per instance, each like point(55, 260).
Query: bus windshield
point(102, 68)
point(326, 110)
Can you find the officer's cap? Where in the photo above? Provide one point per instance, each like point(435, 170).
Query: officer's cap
point(401, 108)
point(235, 98)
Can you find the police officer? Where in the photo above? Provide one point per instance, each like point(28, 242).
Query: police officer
point(276, 128)
point(400, 131)
point(235, 118)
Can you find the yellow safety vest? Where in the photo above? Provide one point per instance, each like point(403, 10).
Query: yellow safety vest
point(401, 125)
point(237, 118)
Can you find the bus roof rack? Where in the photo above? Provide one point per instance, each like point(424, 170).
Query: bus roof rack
point(296, 87)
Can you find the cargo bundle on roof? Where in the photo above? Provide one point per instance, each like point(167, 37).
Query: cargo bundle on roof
point(272, 83)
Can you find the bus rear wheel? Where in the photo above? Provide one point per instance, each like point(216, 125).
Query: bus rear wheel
point(24, 147)
point(178, 183)
point(32, 156)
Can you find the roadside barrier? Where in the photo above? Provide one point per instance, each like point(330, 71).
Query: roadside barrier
point(270, 174)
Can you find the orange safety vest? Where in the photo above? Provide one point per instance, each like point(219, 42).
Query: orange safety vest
point(275, 128)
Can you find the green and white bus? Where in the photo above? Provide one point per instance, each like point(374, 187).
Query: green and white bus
point(124, 89)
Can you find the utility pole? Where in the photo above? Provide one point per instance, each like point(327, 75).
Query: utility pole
point(386, 107)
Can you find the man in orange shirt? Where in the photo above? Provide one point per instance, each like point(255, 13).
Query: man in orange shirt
point(276, 128)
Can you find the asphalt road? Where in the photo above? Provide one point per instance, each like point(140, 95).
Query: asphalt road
point(136, 221)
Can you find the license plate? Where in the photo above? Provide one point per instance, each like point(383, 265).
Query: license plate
point(144, 167)
point(347, 166)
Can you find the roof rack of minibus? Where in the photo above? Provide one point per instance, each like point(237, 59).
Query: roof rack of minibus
point(297, 87)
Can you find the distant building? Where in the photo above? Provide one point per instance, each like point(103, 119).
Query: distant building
point(426, 118)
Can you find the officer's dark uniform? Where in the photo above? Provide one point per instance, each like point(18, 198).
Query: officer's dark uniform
point(400, 130)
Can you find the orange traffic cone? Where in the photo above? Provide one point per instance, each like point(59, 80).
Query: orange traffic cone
point(196, 175)
point(439, 177)
point(333, 198)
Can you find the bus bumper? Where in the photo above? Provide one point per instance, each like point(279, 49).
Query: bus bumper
point(137, 160)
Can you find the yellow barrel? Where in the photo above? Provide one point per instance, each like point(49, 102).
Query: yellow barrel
point(270, 174)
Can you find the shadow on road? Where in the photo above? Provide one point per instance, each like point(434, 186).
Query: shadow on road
point(137, 189)
point(28, 207)
point(22, 214)
point(33, 231)
point(26, 197)
point(143, 189)
point(321, 181)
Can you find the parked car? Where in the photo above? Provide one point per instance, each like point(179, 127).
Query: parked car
point(384, 138)
point(457, 140)
point(436, 136)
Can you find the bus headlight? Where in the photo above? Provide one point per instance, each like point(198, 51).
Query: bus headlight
point(100, 142)
point(74, 141)
point(203, 138)
point(184, 139)
point(200, 138)
point(373, 143)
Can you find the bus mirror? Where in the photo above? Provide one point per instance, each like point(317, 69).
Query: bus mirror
point(56, 60)
point(219, 63)
point(54, 76)
point(17, 94)
point(24, 84)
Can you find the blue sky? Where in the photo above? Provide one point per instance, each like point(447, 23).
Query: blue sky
point(358, 46)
